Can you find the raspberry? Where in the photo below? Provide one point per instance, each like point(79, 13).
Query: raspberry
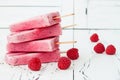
point(73, 53)
point(34, 64)
point(94, 37)
point(99, 48)
point(110, 50)
point(64, 63)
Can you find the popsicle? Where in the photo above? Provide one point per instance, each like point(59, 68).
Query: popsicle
point(36, 22)
point(23, 58)
point(35, 34)
point(46, 45)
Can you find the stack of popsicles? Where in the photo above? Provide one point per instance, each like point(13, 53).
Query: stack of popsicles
point(36, 37)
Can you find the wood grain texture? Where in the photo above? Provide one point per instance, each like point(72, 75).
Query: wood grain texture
point(92, 66)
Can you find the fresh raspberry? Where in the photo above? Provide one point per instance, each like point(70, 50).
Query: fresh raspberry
point(94, 37)
point(64, 63)
point(99, 48)
point(34, 64)
point(110, 50)
point(73, 53)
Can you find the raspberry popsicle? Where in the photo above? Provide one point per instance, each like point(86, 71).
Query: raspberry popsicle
point(46, 45)
point(35, 34)
point(36, 22)
point(23, 58)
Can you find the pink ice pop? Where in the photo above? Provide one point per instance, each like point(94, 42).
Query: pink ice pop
point(23, 58)
point(34, 34)
point(36, 22)
point(46, 45)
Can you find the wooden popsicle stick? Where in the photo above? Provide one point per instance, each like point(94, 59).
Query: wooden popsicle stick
point(63, 16)
point(67, 42)
point(69, 26)
point(62, 52)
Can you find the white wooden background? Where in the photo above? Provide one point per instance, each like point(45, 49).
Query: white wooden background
point(100, 16)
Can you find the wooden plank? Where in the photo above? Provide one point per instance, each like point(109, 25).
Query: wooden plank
point(80, 13)
point(92, 66)
point(30, 3)
point(104, 14)
point(67, 9)
point(104, 3)
point(11, 15)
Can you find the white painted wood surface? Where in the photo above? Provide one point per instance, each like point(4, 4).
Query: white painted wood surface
point(92, 66)
point(80, 13)
point(30, 3)
point(11, 15)
point(102, 15)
